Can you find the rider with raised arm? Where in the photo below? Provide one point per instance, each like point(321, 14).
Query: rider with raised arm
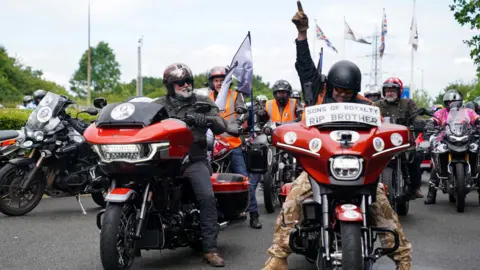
point(178, 79)
point(343, 85)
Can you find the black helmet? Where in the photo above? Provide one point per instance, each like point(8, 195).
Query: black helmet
point(39, 94)
point(346, 75)
point(451, 96)
point(282, 85)
point(174, 73)
point(215, 72)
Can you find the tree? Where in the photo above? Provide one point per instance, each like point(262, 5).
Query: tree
point(468, 91)
point(422, 99)
point(467, 12)
point(105, 71)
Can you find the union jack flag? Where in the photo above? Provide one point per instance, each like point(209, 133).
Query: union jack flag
point(384, 33)
point(321, 36)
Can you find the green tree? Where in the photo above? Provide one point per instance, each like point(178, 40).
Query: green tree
point(422, 99)
point(467, 12)
point(105, 71)
point(468, 91)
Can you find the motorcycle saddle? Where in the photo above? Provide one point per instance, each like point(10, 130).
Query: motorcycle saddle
point(8, 134)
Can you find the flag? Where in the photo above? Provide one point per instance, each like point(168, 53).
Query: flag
point(221, 100)
point(414, 33)
point(351, 36)
point(384, 33)
point(244, 71)
point(321, 36)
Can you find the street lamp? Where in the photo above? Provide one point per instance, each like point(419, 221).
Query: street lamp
point(139, 77)
point(422, 76)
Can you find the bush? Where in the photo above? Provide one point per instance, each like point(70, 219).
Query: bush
point(16, 119)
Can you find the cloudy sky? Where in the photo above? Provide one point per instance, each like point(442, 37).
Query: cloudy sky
point(52, 34)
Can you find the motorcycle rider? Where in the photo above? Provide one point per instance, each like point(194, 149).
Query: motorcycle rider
point(396, 107)
point(26, 100)
point(178, 79)
point(477, 105)
point(374, 94)
point(439, 119)
point(37, 97)
point(235, 106)
point(343, 85)
point(283, 109)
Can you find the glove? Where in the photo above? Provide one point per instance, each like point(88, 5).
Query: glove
point(300, 19)
point(200, 120)
point(261, 113)
point(240, 110)
point(429, 127)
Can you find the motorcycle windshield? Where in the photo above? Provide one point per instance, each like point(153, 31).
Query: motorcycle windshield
point(139, 114)
point(44, 117)
point(458, 121)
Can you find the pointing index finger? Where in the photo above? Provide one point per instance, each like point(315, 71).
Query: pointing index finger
point(299, 6)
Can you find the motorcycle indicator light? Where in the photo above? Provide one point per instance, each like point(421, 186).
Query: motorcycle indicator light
point(346, 167)
point(396, 139)
point(378, 144)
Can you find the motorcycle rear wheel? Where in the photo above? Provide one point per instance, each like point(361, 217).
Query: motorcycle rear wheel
point(117, 247)
point(460, 193)
point(352, 257)
point(11, 187)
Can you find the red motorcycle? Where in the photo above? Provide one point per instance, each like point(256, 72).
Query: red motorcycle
point(426, 165)
point(343, 148)
point(150, 204)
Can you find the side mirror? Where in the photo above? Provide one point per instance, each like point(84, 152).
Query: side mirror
point(91, 111)
point(202, 107)
point(100, 102)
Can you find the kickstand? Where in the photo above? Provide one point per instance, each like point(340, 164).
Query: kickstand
point(79, 202)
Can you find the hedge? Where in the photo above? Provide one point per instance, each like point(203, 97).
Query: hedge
point(16, 119)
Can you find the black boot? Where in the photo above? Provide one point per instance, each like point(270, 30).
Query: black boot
point(431, 196)
point(254, 222)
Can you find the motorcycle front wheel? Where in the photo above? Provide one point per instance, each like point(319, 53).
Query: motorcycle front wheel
point(460, 193)
point(117, 246)
point(270, 195)
point(352, 256)
point(14, 202)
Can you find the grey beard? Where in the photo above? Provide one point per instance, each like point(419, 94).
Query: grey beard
point(186, 96)
point(391, 99)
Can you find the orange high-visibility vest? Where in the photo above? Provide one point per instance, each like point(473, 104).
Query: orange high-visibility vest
point(288, 115)
point(229, 108)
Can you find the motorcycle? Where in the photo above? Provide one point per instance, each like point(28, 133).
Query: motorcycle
point(396, 175)
point(426, 165)
point(10, 141)
point(455, 156)
point(343, 148)
point(59, 163)
point(151, 205)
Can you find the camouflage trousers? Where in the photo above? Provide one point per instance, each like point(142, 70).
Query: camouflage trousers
point(381, 211)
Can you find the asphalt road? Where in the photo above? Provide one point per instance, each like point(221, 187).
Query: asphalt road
point(57, 235)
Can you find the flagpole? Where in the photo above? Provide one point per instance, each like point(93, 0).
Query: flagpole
point(314, 38)
point(412, 86)
point(344, 40)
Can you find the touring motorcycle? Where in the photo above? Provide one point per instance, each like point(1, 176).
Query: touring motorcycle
point(151, 205)
point(343, 148)
point(59, 163)
point(455, 149)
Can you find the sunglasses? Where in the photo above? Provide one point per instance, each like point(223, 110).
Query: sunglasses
point(344, 91)
point(182, 82)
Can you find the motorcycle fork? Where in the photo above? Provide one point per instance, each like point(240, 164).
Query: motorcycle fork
point(399, 181)
point(43, 155)
point(326, 226)
point(147, 196)
point(367, 240)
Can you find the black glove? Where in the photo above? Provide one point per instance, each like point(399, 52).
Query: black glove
point(200, 120)
point(429, 126)
point(261, 113)
point(240, 110)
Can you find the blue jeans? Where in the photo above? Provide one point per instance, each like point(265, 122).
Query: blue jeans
point(238, 166)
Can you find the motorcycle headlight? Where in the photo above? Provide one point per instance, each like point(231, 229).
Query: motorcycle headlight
point(129, 152)
point(458, 139)
point(38, 135)
point(346, 167)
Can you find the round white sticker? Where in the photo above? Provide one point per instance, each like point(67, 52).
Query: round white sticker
point(315, 145)
point(396, 139)
point(290, 137)
point(378, 144)
point(122, 111)
point(351, 214)
point(44, 114)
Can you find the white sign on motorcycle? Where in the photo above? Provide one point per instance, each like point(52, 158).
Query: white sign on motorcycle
point(342, 112)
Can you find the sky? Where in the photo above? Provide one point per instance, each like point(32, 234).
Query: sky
point(51, 35)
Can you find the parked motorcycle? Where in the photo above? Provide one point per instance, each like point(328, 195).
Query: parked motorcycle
point(60, 163)
point(455, 150)
point(344, 148)
point(151, 205)
point(426, 165)
point(10, 141)
point(396, 175)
